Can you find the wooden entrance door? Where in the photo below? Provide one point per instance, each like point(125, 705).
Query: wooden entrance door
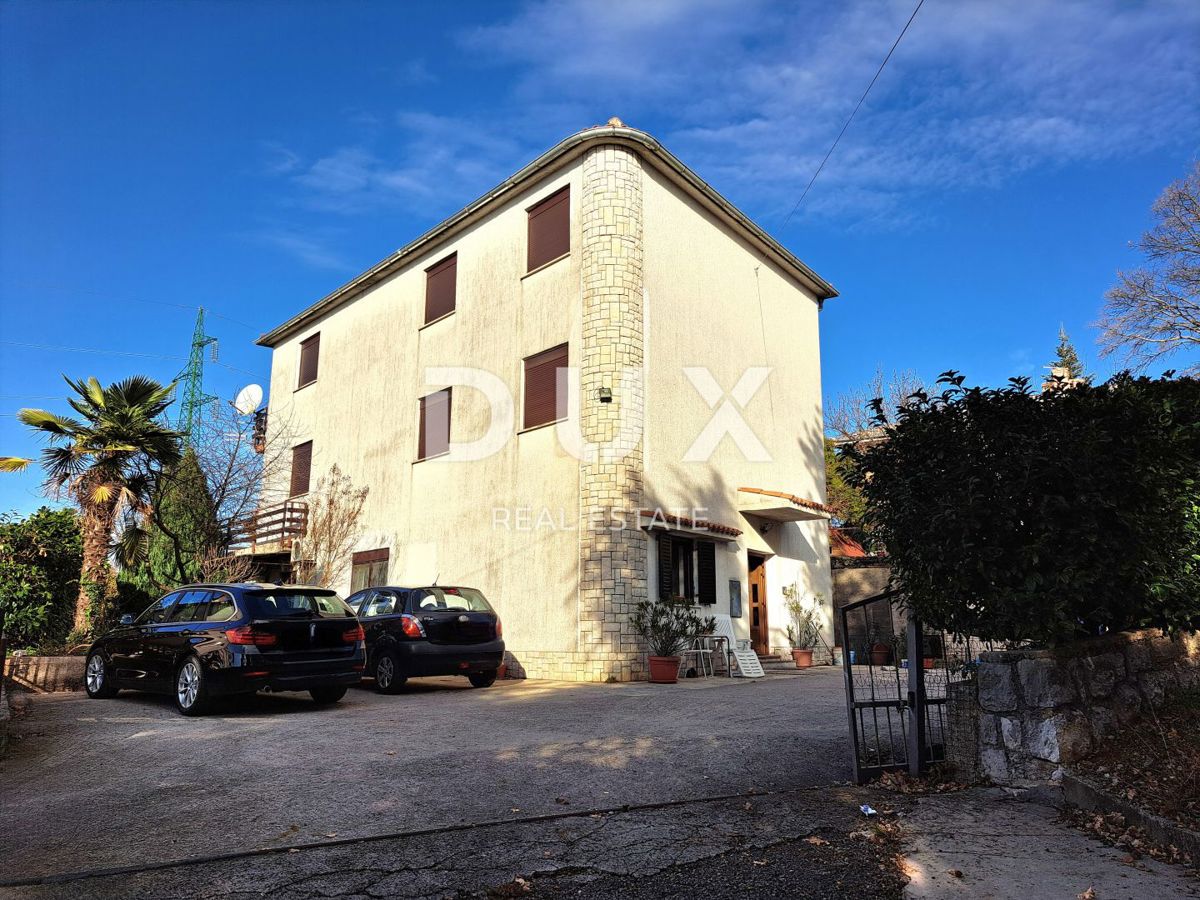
point(760, 635)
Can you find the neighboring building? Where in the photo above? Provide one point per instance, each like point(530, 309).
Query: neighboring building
point(603, 295)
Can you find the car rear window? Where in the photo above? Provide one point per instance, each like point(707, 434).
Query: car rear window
point(450, 599)
point(285, 603)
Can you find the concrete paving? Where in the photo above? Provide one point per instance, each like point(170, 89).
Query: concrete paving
point(971, 845)
point(97, 784)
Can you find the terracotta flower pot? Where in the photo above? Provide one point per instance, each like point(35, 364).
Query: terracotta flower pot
point(664, 669)
point(802, 658)
point(881, 654)
point(927, 662)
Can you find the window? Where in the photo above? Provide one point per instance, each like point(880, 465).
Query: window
point(291, 603)
point(220, 608)
point(433, 433)
point(450, 600)
point(545, 387)
point(687, 568)
point(550, 229)
point(383, 603)
point(158, 611)
point(368, 568)
point(310, 350)
point(190, 607)
point(301, 468)
point(440, 285)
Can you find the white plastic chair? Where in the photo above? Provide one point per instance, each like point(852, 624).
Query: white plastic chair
point(725, 632)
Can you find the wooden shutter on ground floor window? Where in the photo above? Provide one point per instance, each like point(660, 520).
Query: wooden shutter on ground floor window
point(301, 468)
point(666, 566)
point(706, 562)
point(433, 437)
point(310, 354)
point(441, 281)
point(543, 400)
point(550, 228)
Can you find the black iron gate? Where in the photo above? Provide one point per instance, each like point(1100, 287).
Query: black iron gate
point(900, 681)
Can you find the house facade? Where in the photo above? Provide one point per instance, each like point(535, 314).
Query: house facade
point(597, 384)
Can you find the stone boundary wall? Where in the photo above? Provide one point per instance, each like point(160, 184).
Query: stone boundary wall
point(1042, 709)
point(45, 674)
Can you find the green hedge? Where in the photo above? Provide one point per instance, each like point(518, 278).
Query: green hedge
point(1046, 517)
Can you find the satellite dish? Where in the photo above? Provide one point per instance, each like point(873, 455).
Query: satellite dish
point(248, 399)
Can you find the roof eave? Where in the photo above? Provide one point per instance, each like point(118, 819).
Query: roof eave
point(556, 157)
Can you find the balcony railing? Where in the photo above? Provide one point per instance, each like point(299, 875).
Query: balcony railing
point(272, 528)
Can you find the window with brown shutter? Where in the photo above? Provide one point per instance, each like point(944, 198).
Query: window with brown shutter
point(368, 568)
point(706, 572)
point(544, 400)
point(310, 351)
point(440, 284)
point(550, 228)
point(433, 434)
point(301, 468)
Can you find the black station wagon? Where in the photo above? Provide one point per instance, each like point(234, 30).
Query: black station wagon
point(207, 640)
point(428, 631)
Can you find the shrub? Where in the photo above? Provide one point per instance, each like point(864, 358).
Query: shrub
point(40, 558)
point(1016, 516)
point(667, 624)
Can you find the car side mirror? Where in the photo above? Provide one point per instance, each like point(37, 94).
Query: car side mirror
point(126, 619)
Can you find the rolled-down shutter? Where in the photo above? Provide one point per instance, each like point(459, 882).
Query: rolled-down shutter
point(433, 438)
point(707, 565)
point(544, 402)
point(441, 283)
point(301, 468)
point(310, 357)
point(550, 228)
point(666, 566)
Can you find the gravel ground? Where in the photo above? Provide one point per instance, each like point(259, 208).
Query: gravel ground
point(96, 784)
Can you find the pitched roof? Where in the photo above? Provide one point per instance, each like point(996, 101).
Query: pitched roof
point(649, 149)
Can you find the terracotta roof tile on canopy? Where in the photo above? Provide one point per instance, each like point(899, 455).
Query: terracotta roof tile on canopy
point(779, 506)
point(658, 517)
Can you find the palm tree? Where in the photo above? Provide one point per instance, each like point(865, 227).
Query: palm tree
point(106, 461)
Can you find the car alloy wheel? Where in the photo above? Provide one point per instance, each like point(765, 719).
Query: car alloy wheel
point(385, 672)
point(95, 674)
point(187, 686)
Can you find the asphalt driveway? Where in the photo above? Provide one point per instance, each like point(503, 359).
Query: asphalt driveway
point(98, 784)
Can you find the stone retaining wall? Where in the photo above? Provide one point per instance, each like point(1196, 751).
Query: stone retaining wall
point(46, 674)
point(1042, 709)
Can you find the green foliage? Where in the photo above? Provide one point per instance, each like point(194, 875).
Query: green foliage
point(40, 557)
point(666, 625)
point(183, 528)
point(804, 626)
point(1066, 358)
point(1020, 517)
point(841, 496)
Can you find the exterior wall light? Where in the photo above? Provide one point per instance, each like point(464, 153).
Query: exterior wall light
point(604, 394)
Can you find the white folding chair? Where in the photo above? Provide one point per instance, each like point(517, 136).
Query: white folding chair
point(724, 631)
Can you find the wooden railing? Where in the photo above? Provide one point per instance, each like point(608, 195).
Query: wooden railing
point(275, 525)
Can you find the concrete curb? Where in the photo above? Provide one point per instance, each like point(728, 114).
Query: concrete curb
point(1086, 795)
point(46, 674)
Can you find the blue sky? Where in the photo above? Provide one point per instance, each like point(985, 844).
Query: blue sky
point(249, 157)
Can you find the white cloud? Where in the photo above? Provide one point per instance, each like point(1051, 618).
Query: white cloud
point(309, 248)
point(751, 93)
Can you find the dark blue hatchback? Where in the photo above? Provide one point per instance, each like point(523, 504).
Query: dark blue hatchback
point(208, 640)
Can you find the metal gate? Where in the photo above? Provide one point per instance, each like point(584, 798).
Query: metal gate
point(901, 682)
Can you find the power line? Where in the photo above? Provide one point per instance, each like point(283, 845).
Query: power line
point(833, 146)
point(52, 347)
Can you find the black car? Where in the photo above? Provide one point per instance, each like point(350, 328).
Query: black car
point(207, 640)
point(428, 631)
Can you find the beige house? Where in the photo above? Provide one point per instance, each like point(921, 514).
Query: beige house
point(598, 383)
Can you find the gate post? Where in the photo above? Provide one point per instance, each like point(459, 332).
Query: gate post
point(916, 698)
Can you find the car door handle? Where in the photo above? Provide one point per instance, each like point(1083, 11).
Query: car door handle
point(187, 632)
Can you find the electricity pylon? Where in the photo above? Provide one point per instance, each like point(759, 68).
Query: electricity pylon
point(191, 379)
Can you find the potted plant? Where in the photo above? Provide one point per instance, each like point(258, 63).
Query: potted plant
point(666, 626)
point(805, 628)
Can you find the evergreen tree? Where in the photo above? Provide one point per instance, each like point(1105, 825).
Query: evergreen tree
point(1067, 358)
point(183, 526)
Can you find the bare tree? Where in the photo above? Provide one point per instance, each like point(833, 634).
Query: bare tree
point(239, 475)
point(1154, 311)
point(850, 414)
point(218, 568)
point(334, 510)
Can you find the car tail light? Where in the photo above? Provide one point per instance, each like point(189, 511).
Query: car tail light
point(499, 627)
point(411, 627)
point(248, 634)
point(354, 635)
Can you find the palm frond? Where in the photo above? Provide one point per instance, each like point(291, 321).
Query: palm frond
point(102, 493)
point(62, 464)
point(51, 423)
point(131, 545)
point(14, 463)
